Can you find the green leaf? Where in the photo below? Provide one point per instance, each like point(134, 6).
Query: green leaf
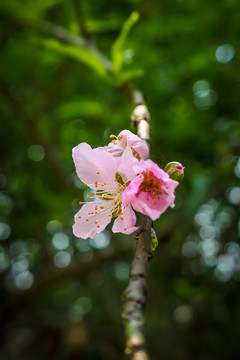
point(81, 54)
point(118, 46)
point(125, 76)
point(154, 243)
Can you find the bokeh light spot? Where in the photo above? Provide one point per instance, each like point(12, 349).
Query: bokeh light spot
point(5, 231)
point(62, 259)
point(101, 241)
point(224, 53)
point(60, 241)
point(24, 280)
point(233, 195)
point(53, 226)
point(36, 152)
point(183, 314)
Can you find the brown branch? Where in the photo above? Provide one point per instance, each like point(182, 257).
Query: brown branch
point(134, 297)
point(53, 276)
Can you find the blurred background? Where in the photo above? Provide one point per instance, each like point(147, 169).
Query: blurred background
point(60, 295)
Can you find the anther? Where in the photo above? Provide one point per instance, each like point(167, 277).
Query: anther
point(101, 207)
point(124, 229)
point(87, 219)
point(96, 222)
point(98, 226)
point(93, 194)
point(88, 196)
point(121, 218)
point(80, 202)
point(112, 136)
point(97, 172)
point(86, 185)
point(79, 217)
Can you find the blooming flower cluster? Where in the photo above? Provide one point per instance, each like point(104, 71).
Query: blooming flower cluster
point(121, 179)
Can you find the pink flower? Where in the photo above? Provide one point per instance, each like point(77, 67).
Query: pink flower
point(151, 192)
point(108, 176)
point(127, 139)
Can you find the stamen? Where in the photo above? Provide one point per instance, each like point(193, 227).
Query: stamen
point(96, 183)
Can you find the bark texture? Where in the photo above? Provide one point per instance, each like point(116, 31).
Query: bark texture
point(134, 297)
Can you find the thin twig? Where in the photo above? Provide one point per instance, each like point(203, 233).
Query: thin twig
point(62, 34)
point(134, 297)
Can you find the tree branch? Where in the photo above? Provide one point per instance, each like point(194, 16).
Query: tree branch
point(134, 297)
point(62, 34)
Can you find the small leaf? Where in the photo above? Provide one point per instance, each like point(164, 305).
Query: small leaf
point(154, 240)
point(125, 76)
point(154, 243)
point(79, 53)
point(118, 46)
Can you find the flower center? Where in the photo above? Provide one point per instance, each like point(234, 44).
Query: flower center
point(152, 184)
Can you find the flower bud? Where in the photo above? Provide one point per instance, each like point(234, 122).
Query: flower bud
point(175, 170)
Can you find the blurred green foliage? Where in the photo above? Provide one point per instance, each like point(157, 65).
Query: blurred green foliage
point(60, 295)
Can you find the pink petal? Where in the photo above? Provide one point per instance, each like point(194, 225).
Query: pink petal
point(146, 202)
point(129, 194)
point(134, 141)
point(95, 167)
point(91, 219)
point(146, 205)
point(142, 165)
point(125, 223)
point(125, 168)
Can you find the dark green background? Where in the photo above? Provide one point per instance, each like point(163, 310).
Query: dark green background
point(60, 296)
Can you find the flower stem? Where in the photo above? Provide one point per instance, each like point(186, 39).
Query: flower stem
point(134, 297)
